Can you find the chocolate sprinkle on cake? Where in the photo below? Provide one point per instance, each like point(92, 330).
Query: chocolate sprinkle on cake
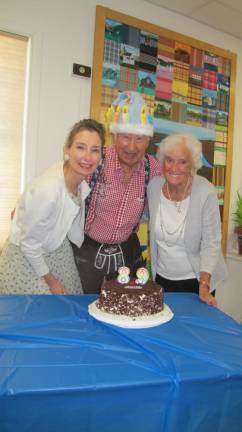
point(131, 299)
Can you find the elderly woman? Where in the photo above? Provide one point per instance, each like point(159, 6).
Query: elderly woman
point(185, 229)
point(38, 258)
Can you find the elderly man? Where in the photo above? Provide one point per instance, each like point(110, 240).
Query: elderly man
point(118, 195)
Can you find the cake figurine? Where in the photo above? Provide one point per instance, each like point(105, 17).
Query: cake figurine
point(123, 275)
point(142, 276)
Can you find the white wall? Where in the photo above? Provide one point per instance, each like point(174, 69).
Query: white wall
point(62, 33)
point(230, 299)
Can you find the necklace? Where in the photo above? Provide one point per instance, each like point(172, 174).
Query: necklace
point(175, 234)
point(177, 204)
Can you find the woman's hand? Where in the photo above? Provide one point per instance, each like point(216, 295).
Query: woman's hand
point(56, 287)
point(206, 296)
point(204, 285)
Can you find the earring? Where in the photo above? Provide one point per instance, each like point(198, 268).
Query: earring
point(66, 157)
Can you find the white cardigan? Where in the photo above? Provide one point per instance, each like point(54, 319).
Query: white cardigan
point(202, 234)
point(44, 216)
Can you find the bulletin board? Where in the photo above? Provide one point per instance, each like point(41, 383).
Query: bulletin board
point(188, 84)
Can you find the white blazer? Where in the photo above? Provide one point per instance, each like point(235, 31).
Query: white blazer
point(44, 216)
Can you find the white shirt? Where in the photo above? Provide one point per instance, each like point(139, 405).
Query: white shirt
point(172, 260)
point(45, 215)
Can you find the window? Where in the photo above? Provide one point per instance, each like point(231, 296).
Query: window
point(13, 59)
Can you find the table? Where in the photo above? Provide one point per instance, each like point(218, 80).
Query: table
point(61, 370)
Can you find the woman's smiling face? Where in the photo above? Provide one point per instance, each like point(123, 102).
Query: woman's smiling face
point(85, 152)
point(177, 165)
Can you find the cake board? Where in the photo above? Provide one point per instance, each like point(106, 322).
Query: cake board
point(131, 322)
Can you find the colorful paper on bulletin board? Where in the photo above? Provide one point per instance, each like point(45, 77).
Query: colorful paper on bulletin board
point(188, 89)
point(219, 156)
point(220, 194)
point(143, 238)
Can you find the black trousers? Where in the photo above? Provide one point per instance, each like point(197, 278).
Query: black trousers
point(186, 285)
point(96, 261)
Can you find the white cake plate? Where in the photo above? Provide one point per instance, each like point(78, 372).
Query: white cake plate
point(131, 322)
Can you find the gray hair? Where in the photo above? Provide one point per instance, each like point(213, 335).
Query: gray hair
point(191, 143)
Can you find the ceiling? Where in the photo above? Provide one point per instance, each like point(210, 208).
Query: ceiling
point(225, 15)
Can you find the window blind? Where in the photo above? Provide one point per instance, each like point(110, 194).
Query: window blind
point(13, 56)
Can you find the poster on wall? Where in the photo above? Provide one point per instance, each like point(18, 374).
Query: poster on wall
point(187, 85)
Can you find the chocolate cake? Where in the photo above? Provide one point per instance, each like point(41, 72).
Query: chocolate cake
point(131, 299)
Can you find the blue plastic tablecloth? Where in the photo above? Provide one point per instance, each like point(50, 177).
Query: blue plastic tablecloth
point(61, 370)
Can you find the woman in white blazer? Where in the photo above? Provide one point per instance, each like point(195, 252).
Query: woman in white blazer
point(185, 228)
point(37, 258)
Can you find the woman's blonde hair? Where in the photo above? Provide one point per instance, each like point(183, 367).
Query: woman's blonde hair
point(89, 125)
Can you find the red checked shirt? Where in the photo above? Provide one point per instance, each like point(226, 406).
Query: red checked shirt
point(115, 208)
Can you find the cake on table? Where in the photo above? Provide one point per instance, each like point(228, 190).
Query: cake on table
point(131, 297)
point(131, 303)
